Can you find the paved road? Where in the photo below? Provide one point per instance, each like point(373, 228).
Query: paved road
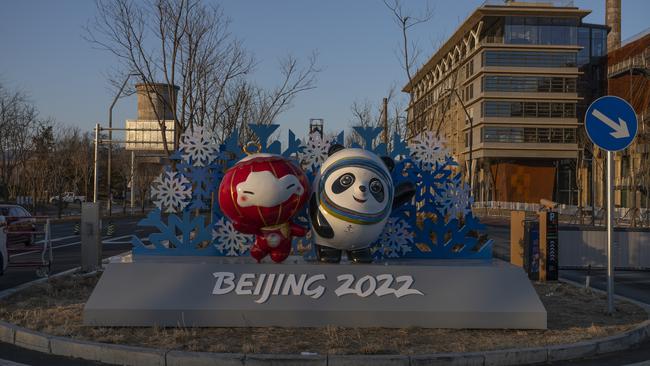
point(11, 355)
point(633, 284)
point(67, 255)
point(67, 249)
point(641, 353)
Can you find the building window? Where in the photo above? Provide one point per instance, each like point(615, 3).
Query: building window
point(598, 42)
point(469, 68)
point(529, 59)
point(528, 135)
point(540, 84)
point(541, 30)
point(469, 92)
point(584, 40)
point(528, 109)
point(625, 166)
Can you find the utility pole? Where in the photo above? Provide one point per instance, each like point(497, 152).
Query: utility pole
point(96, 165)
point(110, 144)
point(384, 118)
point(132, 180)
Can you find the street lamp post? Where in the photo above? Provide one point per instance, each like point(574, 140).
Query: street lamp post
point(110, 144)
point(96, 163)
point(471, 134)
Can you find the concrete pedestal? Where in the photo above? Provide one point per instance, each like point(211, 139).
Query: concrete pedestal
point(222, 292)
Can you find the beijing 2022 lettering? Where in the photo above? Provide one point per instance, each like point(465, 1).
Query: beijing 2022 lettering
point(265, 285)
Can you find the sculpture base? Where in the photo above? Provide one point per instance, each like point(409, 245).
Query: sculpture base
point(199, 292)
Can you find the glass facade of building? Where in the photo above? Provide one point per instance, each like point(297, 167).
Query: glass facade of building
point(592, 63)
point(540, 30)
point(535, 84)
point(528, 135)
point(529, 59)
point(528, 109)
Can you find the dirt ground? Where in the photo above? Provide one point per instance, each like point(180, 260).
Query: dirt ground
point(574, 314)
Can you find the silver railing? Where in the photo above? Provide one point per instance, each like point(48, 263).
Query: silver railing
point(555, 3)
point(638, 61)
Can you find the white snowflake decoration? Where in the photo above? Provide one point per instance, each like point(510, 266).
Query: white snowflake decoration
point(199, 146)
point(171, 192)
point(457, 200)
point(314, 152)
point(428, 149)
point(230, 241)
point(396, 239)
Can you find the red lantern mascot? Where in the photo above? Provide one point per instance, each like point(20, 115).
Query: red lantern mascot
point(260, 194)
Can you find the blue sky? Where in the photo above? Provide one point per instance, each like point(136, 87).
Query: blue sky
point(43, 54)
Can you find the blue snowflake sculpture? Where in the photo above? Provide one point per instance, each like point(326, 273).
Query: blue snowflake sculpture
point(438, 223)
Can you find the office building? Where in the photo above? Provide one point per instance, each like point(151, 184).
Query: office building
point(524, 72)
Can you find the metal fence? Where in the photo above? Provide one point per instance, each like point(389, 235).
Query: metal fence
point(588, 248)
point(570, 214)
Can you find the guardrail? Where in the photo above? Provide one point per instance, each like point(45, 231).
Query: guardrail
point(571, 214)
point(11, 252)
point(555, 3)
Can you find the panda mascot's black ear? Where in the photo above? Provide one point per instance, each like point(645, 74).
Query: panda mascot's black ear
point(390, 164)
point(334, 148)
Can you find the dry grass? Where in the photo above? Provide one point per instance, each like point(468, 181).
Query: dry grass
point(573, 315)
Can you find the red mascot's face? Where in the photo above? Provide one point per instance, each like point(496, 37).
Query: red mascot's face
point(263, 190)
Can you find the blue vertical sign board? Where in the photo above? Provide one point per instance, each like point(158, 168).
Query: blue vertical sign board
point(611, 123)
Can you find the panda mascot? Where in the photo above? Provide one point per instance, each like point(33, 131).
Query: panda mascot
point(353, 195)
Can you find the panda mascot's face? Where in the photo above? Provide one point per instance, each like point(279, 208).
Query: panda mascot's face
point(359, 189)
point(355, 186)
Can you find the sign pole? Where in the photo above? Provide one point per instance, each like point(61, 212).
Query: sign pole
point(610, 234)
point(611, 124)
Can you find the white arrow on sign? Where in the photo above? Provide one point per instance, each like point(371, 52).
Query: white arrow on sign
point(620, 129)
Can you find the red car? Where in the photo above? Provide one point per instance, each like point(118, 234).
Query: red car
point(18, 219)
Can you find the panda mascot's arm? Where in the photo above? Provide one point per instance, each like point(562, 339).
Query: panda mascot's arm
point(318, 221)
point(403, 193)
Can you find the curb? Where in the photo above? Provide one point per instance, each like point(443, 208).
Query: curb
point(136, 356)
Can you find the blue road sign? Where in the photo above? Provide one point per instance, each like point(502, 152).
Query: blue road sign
point(611, 123)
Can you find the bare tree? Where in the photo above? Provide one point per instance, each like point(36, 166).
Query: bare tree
point(188, 43)
point(36, 173)
point(122, 177)
point(83, 159)
point(18, 118)
point(145, 174)
point(368, 114)
point(409, 50)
